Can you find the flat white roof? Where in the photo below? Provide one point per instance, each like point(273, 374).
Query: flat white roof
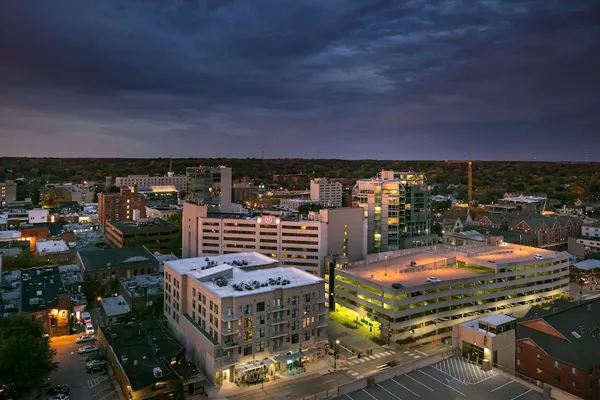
point(114, 306)
point(10, 235)
point(249, 283)
point(51, 246)
point(497, 319)
point(200, 266)
point(525, 199)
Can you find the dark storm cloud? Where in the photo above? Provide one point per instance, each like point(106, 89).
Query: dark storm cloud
point(354, 79)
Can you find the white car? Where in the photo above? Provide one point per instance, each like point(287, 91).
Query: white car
point(94, 362)
point(85, 338)
point(89, 329)
point(87, 349)
point(61, 396)
point(538, 256)
point(433, 279)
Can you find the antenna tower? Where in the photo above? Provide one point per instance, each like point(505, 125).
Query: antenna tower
point(470, 178)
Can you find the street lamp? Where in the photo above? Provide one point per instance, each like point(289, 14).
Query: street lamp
point(335, 353)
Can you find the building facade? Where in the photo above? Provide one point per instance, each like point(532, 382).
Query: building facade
point(325, 192)
point(8, 192)
point(296, 243)
point(420, 294)
point(561, 348)
point(591, 231)
point(179, 181)
point(108, 265)
point(209, 186)
point(155, 234)
point(397, 206)
point(125, 205)
point(244, 319)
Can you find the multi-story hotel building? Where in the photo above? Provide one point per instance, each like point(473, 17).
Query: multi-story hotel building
point(242, 318)
point(8, 192)
point(326, 193)
point(397, 207)
point(209, 186)
point(296, 243)
point(419, 294)
point(179, 181)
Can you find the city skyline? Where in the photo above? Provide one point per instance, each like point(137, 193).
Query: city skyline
point(338, 79)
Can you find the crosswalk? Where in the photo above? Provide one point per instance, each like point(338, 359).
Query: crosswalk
point(355, 360)
point(95, 382)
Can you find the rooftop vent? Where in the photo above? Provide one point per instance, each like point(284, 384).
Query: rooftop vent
point(136, 363)
point(157, 372)
point(124, 359)
point(576, 335)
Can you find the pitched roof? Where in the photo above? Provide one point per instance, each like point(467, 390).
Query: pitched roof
point(578, 323)
point(98, 259)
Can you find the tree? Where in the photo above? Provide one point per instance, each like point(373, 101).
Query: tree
point(25, 354)
point(437, 229)
point(20, 261)
point(304, 209)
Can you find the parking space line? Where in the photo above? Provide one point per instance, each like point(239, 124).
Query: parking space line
point(422, 384)
point(501, 386)
point(485, 379)
point(419, 351)
point(101, 390)
point(396, 397)
point(522, 394)
point(348, 396)
point(458, 380)
point(369, 394)
point(448, 386)
point(404, 387)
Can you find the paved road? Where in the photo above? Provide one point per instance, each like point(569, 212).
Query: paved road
point(71, 371)
point(298, 390)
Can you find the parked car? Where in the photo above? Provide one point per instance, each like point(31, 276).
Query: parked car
point(96, 368)
point(60, 396)
point(89, 329)
point(87, 349)
point(87, 318)
point(538, 256)
point(91, 363)
point(58, 389)
point(85, 338)
point(433, 279)
point(93, 357)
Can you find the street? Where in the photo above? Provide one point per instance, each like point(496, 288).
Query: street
point(71, 371)
point(299, 388)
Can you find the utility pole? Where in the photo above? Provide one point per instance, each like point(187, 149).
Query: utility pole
point(470, 181)
point(335, 354)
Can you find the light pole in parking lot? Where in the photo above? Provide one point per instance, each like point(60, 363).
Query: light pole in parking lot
point(335, 354)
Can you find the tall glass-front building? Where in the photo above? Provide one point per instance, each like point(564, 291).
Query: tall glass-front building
point(398, 210)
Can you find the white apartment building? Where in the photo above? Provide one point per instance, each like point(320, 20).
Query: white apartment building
point(420, 294)
point(295, 242)
point(591, 231)
point(242, 318)
point(326, 193)
point(179, 181)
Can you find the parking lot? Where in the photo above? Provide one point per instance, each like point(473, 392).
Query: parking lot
point(432, 383)
point(71, 371)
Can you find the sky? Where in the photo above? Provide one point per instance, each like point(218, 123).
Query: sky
point(350, 79)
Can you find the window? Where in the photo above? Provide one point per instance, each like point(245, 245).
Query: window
point(306, 297)
point(574, 370)
point(294, 325)
point(518, 362)
point(557, 378)
point(519, 349)
point(539, 357)
point(260, 307)
point(294, 312)
point(248, 309)
point(261, 346)
point(574, 384)
point(556, 364)
point(204, 299)
point(261, 332)
point(295, 338)
point(260, 320)
point(538, 370)
point(216, 309)
point(295, 300)
point(194, 292)
point(306, 335)
point(211, 305)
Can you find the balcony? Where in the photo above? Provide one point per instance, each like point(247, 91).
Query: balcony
point(322, 311)
point(278, 321)
point(227, 318)
point(322, 323)
point(279, 308)
point(228, 362)
point(230, 345)
point(230, 331)
point(321, 300)
point(279, 334)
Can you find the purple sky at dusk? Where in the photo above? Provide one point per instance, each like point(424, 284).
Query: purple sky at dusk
point(416, 79)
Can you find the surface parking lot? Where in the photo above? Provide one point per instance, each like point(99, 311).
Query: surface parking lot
point(433, 383)
point(71, 371)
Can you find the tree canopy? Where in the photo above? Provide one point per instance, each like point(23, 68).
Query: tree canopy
point(25, 354)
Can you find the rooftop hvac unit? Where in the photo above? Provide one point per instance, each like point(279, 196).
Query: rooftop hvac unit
point(157, 372)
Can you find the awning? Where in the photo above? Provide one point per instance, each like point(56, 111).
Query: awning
point(310, 352)
point(251, 366)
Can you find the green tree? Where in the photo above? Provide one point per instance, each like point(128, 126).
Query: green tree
point(25, 354)
point(304, 209)
point(20, 261)
point(437, 229)
point(175, 219)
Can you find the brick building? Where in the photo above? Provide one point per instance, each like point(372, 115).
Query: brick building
point(155, 234)
point(561, 347)
point(550, 230)
point(121, 206)
point(109, 264)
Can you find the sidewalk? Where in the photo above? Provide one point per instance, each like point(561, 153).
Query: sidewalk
point(231, 391)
